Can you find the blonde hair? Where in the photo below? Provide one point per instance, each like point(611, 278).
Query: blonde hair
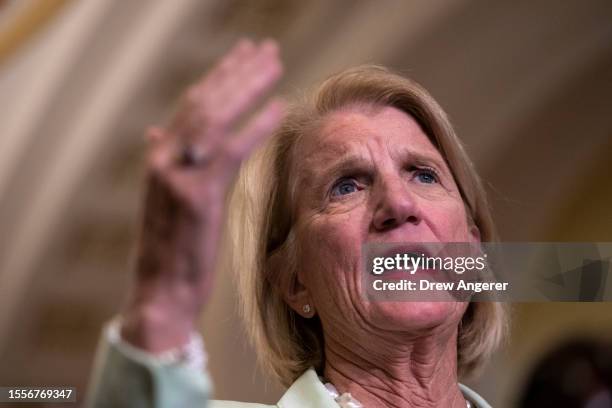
point(260, 223)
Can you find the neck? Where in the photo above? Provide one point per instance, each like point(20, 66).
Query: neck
point(415, 372)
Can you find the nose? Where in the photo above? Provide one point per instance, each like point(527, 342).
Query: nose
point(394, 206)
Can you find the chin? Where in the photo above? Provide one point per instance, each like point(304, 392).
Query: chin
point(416, 316)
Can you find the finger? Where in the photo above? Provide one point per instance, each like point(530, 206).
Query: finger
point(260, 126)
point(239, 72)
point(267, 50)
point(205, 99)
point(243, 98)
point(161, 154)
point(213, 78)
point(244, 92)
point(229, 63)
point(182, 181)
point(266, 55)
point(154, 134)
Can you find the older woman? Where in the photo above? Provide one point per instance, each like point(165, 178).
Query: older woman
point(371, 158)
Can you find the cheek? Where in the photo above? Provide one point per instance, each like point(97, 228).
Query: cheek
point(330, 259)
point(330, 247)
point(450, 222)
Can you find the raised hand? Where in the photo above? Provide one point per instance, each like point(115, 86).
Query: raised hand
point(191, 164)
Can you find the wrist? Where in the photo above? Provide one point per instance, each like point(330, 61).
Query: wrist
point(191, 354)
point(155, 329)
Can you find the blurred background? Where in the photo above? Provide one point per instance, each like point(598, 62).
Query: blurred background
point(527, 84)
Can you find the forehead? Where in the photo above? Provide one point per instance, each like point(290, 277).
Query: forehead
point(357, 128)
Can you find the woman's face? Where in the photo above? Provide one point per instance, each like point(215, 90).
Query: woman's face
point(372, 175)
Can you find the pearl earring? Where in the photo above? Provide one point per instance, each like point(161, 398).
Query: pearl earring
point(306, 308)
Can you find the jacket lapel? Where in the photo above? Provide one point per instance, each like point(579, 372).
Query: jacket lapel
point(307, 392)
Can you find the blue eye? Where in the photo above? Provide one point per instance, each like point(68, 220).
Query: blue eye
point(427, 176)
point(344, 187)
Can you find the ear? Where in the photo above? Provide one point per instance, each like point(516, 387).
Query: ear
point(475, 239)
point(474, 233)
point(295, 294)
point(298, 298)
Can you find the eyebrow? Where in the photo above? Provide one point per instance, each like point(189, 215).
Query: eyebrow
point(422, 158)
point(353, 161)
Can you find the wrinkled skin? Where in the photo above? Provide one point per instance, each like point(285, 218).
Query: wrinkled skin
point(372, 175)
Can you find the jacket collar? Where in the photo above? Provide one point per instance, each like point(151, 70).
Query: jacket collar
point(309, 392)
